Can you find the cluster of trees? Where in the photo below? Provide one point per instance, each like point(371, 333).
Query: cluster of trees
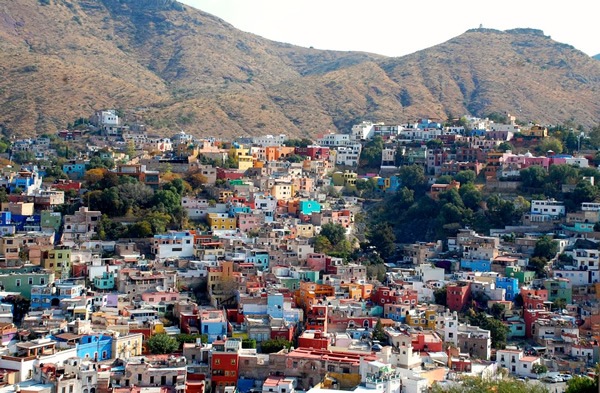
point(125, 196)
point(163, 343)
point(545, 250)
point(498, 330)
point(479, 385)
point(274, 345)
point(415, 216)
point(548, 184)
point(332, 241)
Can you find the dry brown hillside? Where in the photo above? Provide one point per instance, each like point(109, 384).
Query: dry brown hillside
point(177, 67)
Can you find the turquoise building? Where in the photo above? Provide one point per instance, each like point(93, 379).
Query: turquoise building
point(309, 207)
point(105, 282)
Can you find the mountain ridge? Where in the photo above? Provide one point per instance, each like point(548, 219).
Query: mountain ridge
point(176, 67)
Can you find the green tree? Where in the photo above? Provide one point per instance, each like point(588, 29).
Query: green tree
point(140, 230)
point(184, 338)
point(378, 332)
point(471, 196)
point(383, 238)
point(539, 369)
point(538, 265)
point(413, 177)
point(470, 384)
point(582, 385)
point(162, 344)
point(440, 296)
point(545, 247)
point(370, 155)
point(498, 310)
point(584, 192)
point(322, 244)
point(559, 304)
point(274, 345)
point(465, 177)
point(335, 233)
point(249, 343)
point(505, 146)
point(498, 331)
point(434, 144)
point(551, 144)
point(20, 307)
point(533, 177)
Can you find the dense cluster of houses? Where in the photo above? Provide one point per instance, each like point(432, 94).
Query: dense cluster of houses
point(91, 315)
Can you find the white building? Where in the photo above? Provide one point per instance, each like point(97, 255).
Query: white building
point(549, 207)
point(348, 155)
point(332, 140)
point(269, 140)
point(173, 245)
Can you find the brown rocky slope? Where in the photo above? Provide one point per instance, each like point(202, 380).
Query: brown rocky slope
point(179, 68)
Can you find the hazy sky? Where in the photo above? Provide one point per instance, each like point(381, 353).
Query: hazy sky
point(400, 27)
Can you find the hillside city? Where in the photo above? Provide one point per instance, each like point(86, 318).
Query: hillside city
point(421, 257)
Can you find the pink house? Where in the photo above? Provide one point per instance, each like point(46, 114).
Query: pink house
point(248, 221)
point(316, 261)
point(157, 297)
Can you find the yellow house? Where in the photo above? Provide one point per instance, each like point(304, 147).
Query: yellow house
point(127, 345)
point(58, 261)
point(282, 191)
point(535, 132)
point(243, 156)
point(221, 221)
point(421, 318)
point(305, 230)
point(224, 195)
point(245, 162)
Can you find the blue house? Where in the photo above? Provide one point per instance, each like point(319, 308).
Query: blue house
point(259, 258)
point(213, 323)
point(26, 223)
point(476, 265)
point(510, 284)
point(309, 207)
point(74, 169)
point(97, 347)
point(237, 209)
point(6, 225)
point(27, 180)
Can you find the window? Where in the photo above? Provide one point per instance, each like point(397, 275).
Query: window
point(163, 380)
point(30, 280)
point(18, 282)
point(217, 361)
point(139, 377)
point(152, 379)
point(233, 361)
point(174, 380)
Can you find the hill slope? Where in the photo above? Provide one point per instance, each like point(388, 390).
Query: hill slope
point(177, 67)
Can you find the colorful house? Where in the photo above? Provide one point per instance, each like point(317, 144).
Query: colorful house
point(511, 285)
point(308, 207)
point(95, 346)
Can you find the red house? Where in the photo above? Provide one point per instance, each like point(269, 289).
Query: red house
point(530, 316)
point(428, 342)
point(224, 364)
point(229, 174)
point(316, 318)
point(534, 299)
point(386, 295)
point(314, 152)
point(458, 295)
point(314, 339)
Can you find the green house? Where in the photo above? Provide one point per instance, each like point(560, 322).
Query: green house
point(105, 282)
point(22, 282)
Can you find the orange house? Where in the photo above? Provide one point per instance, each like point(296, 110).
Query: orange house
point(311, 293)
point(274, 153)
